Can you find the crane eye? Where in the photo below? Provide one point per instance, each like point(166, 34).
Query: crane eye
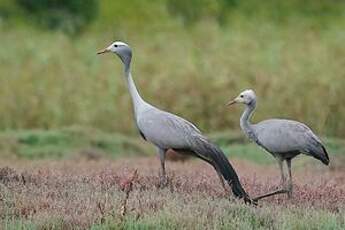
point(115, 45)
point(241, 96)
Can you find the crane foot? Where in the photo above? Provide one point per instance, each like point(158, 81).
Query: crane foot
point(248, 200)
point(163, 181)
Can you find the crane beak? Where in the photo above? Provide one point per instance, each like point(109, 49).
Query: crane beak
point(231, 102)
point(103, 51)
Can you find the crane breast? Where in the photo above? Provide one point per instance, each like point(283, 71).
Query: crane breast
point(166, 130)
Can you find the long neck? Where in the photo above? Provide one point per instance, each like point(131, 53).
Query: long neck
point(245, 123)
point(137, 100)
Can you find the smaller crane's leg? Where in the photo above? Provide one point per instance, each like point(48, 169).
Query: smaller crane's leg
point(280, 162)
point(279, 191)
point(289, 188)
point(163, 179)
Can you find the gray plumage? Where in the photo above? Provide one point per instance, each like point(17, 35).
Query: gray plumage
point(168, 131)
point(284, 139)
point(295, 138)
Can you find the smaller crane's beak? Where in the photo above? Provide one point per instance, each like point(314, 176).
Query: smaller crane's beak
point(231, 102)
point(103, 51)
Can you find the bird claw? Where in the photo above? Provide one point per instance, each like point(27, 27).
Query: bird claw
point(163, 182)
point(248, 200)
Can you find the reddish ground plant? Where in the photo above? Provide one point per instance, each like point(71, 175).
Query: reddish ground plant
point(82, 193)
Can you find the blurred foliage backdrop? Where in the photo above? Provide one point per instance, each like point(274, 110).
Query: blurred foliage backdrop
point(190, 57)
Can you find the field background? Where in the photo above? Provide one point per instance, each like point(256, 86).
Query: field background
point(66, 124)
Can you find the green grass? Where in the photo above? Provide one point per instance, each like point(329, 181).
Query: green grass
point(76, 141)
point(293, 61)
point(239, 217)
point(206, 214)
point(69, 142)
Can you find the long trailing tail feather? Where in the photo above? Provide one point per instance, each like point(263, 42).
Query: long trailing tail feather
point(319, 152)
point(215, 156)
point(325, 158)
point(316, 149)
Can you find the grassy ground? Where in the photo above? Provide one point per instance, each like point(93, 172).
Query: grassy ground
point(88, 143)
point(67, 143)
point(92, 194)
point(190, 61)
point(78, 178)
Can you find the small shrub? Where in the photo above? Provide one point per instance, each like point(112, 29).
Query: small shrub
point(69, 16)
point(191, 11)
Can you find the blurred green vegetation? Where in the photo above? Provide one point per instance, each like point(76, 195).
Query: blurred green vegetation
point(190, 57)
point(69, 16)
point(67, 143)
point(92, 144)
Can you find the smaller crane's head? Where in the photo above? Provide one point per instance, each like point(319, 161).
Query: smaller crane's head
point(121, 49)
point(247, 97)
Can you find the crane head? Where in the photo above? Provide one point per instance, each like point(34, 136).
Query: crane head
point(121, 49)
point(246, 97)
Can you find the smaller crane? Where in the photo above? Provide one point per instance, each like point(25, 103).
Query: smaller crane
point(284, 139)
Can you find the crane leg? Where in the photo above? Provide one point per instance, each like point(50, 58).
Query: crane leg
point(163, 179)
point(278, 191)
point(289, 187)
point(280, 162)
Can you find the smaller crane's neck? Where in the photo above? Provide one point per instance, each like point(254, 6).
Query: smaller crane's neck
point(127, 67)
point(137, 100)
point(245, 123)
